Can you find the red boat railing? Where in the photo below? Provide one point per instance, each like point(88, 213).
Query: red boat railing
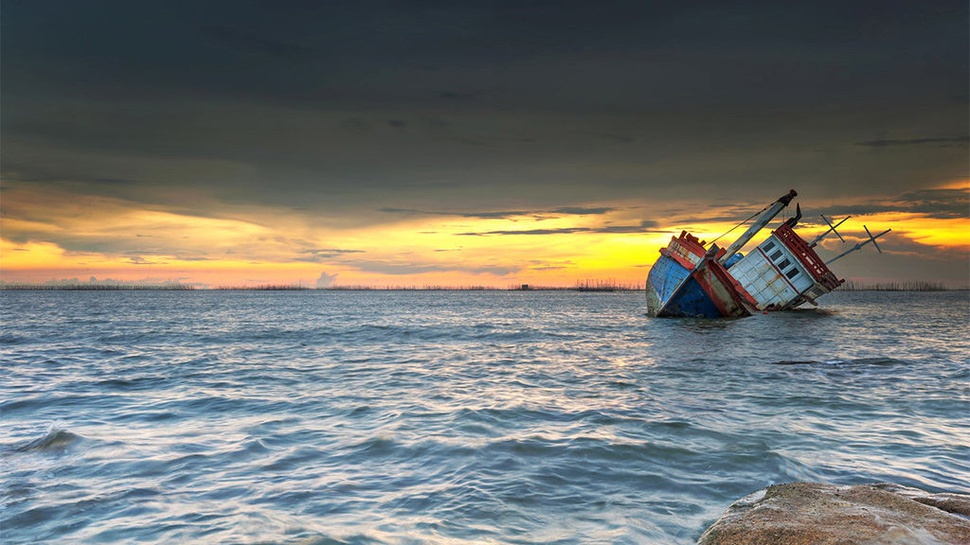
point(812, 262)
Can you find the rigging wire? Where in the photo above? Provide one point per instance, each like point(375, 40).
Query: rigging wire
point(751, 217)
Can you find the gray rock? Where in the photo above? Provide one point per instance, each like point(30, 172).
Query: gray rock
point(821, 514)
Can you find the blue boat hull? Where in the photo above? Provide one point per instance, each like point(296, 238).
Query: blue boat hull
point(687, 280)
point(673, 291)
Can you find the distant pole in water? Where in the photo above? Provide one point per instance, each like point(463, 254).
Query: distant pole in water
point(872, 239)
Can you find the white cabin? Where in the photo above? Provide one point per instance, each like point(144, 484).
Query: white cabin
point(783, 272)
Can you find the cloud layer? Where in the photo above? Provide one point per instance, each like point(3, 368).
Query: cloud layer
point(374, 135)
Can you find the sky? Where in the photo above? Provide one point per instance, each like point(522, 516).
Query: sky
point(433, 143)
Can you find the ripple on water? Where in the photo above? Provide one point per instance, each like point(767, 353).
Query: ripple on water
point(455, 417)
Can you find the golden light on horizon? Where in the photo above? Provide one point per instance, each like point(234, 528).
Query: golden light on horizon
point(108, 238)
point(952, 233)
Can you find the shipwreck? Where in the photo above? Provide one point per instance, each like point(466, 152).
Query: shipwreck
point(695, 279)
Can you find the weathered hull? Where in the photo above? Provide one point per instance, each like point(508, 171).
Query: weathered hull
point(672, 291)
point(688, 281)
point(730, 298)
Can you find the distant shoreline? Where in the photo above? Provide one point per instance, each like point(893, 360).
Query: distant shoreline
point(851, 285)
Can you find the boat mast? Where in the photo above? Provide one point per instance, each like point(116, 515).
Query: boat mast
point(831, 230)
point(872, 239)
point(759, 224)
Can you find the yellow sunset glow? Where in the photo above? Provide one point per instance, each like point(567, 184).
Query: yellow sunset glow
point(32, 256)
point(944, 233)
point(109, 240)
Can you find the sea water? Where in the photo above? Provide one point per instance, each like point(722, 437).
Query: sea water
point(436, 417)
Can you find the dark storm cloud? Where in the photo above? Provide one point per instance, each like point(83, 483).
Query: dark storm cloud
point(139, 260)
point(932, 203)
point(581, 211)
point(415, 267)
point(274, 48)
point(345, 108)
point(621, 138)
point(730, 212)
point(414, 212)
point(956, 140)
point(645, 226)
point(325, 254)
point(416, 52)
point(505, 214)
point(560, 231)
point(937, 203)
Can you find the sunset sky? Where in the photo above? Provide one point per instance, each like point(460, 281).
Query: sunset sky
point(419, 143)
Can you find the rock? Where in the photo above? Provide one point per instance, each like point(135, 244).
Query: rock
point(821, 514)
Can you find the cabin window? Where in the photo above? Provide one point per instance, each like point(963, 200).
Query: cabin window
point(775, 255)
point(792, 273)
point(785, 263)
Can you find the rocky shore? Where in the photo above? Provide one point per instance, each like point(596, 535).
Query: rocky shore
point(822, 514)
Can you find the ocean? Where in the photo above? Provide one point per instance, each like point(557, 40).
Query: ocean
point(456, 417)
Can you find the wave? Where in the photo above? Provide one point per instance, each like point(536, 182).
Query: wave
point(8, 338)
point(873, 361)
point(55, 440)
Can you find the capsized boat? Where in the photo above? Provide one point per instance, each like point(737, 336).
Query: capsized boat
point(693, 279)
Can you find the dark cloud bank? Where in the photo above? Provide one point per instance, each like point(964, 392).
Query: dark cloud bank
point(359, 112)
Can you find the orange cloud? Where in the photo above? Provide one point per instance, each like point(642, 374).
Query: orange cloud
point(956, 184)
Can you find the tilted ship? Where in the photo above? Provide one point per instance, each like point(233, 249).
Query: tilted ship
point(693, 279)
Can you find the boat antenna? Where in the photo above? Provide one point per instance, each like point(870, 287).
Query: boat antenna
point(872, 239)
point(831, 230)
point(793, 221)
